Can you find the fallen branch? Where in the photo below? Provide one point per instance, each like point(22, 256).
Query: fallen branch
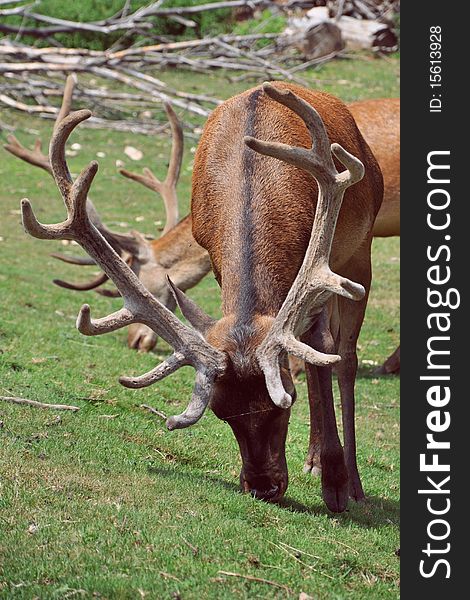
point(131, 23)
point(14, 400)
point(154, 411)
point(259, 580)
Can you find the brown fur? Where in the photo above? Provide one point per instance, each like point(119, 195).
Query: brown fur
point(284, 197)
point(379, 123)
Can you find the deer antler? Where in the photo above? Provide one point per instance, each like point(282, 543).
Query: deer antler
point(166, 188)
point(139, 305)
point(35, 156)
point(73, 260)
point(315, 282)
point(89, 285)
point(99, 280)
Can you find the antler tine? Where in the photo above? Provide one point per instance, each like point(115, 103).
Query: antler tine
point(177, 146)
point(315, 282)
point(83, 287)
point(168, 366)
point(139, 305)
point(93, 283)
point(73, 260)
point(66, 99)
point(35, 156)
point(166, 188)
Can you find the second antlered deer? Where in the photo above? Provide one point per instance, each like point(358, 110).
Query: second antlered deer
point(272, 226)
point(174, 254)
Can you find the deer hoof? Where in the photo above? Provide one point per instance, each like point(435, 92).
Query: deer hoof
point(356, 492)
point(314, 470)
point(335, 482)
point(336, 498)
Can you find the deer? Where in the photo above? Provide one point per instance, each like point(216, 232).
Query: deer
point(175, 253)
point(278, 221)
point(379, 122)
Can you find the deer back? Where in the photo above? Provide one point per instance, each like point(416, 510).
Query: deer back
point(254, 214)
point(379, 122)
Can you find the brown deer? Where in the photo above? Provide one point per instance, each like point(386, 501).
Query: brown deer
point(379, 123)
point(175, 253)
point(271, 224)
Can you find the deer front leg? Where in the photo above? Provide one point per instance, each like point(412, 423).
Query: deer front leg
point(351, 318)
point(312, 463)
point(325, 446)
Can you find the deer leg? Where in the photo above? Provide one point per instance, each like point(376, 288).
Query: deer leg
point(391, 365)
point(324, 438)
point(312, 463)
point(141, 338)
point(351, 318)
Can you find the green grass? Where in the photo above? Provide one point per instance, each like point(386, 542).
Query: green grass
point(105, 502)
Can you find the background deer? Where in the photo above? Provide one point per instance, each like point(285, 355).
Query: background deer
point(269, 224)
point(379, 123)
point(175, 253)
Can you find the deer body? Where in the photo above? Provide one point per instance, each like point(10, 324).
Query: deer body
point(254, 214)
point(379, 122)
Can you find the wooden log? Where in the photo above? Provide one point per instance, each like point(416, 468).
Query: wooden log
point(315, 41)
point(356, 33)
point(363, 33)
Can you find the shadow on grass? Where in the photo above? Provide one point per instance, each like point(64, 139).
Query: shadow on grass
point(366, 372)
point(374, 512)
point(363, 372)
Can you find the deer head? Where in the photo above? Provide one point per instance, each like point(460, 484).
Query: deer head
point(247, 384)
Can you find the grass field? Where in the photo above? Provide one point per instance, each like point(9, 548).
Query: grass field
point(105, 503)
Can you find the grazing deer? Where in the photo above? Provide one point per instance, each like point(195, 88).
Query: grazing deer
point(271, 225)
point(175, 253)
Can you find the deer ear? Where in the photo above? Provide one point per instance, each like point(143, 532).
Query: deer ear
point(191, 311)
point(134, 243)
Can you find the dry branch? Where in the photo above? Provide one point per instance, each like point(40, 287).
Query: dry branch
point(15, 400)
point(30, 76)
point(137, 21)
point(258, 579)
point(154, 411)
